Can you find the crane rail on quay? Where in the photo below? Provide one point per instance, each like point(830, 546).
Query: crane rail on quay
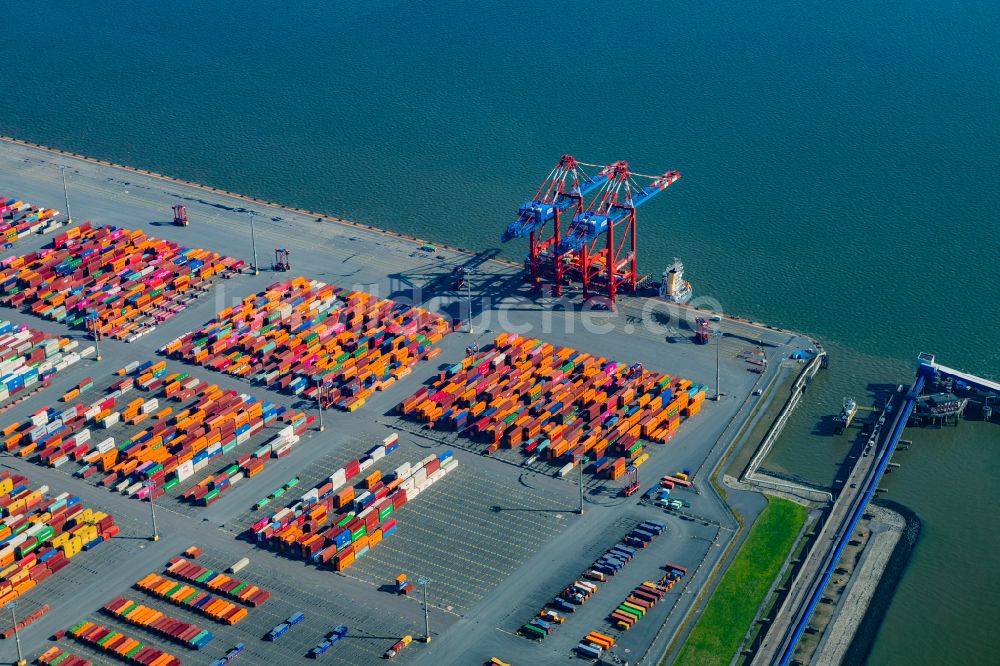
point(611, 215)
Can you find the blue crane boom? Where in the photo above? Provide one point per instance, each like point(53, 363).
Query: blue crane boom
point(615, 203)
point(564, 187)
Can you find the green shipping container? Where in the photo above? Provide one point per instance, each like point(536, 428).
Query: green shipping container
point(357, 534)
point(346, 519)
point(107, 639)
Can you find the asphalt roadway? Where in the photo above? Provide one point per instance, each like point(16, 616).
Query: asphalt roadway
point(497, 539)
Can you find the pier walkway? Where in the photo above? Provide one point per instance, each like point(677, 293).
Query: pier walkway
point(927, 364)
point(807, 588)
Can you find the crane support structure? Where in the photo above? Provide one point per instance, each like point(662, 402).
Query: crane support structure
point(563, 189)
point(611, 214)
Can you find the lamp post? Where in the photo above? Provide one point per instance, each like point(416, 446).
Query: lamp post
point(581, 487)
point(424, 582)
point(17, 636)
point(69, 216)
point(718, 389)
point(468, 296)
point(253, 242)
point(152, 510)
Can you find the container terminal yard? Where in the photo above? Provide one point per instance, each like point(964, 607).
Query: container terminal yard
point(451, 488)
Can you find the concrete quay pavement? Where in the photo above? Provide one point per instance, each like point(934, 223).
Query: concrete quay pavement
point(539, 542)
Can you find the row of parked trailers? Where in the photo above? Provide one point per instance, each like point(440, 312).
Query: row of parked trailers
point(19, 219)
point(121, 646)
point(39, 535)
point(56, 656)
point(314, 339)
point(128, 281)
point(217, 582)
point(335, 525)
point(191, 598)
point(29, 358)
point(554, 402)
point(157, 622)
point(606, 566)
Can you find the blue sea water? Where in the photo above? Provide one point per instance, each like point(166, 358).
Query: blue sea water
point(840, 164)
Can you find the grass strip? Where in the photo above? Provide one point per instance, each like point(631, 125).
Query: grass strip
point(720, 629)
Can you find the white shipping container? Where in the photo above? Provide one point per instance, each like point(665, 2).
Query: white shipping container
point(150, 405)
point(106, 445)
point(238, 566)
point(185, 470)
point(366, 463)
point(112, 419)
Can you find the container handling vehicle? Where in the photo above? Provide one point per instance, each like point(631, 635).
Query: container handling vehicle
point(180, 216)
point(281, 262)
point(631, 481)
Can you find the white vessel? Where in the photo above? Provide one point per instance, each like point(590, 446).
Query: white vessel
point(673, 286)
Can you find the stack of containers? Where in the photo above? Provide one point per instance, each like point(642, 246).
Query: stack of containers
point(220, 583)
point(283, 527)
point(28, 357)
point(19, 219)
point(192, 599)
point(131, 281)
point(121, 646)
point(315, 339)
point(335, 523)
point(152, 620)
point(171, 448)
point(40, 535)
point(554, 402)
point(55, 656)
